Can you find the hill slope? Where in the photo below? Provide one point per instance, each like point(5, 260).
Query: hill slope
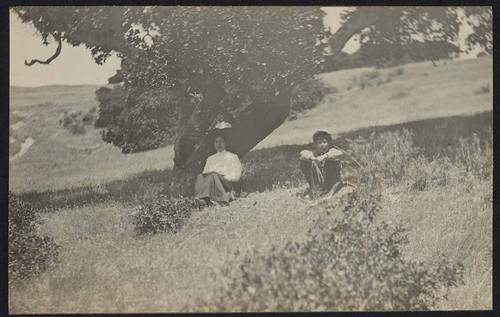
point(58, 160)
point(105, 267)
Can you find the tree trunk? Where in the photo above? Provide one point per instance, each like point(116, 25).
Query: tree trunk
point(363, 17)
point(250, 127)
point(191, 148)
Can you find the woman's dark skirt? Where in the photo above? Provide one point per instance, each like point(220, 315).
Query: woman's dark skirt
point(213, 186)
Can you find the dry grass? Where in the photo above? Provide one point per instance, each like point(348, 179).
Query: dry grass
point(116, 271)
point(105, 267)
point(67, 160)
point(445, 91)
point(455, 221)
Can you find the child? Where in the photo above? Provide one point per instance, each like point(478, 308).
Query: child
point(321, 166)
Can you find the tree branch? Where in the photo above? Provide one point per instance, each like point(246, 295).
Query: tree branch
point(57, 36)
point(362, 18)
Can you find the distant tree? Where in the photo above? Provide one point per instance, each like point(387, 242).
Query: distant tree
point(116, 78)
point(184, 68)
point(111, 104)
point(481, 20)
point(412, 34)
point(481, 54)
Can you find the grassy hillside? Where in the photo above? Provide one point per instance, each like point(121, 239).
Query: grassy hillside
point(422, 91)
point(430, 155)
point(77, 97)
point(105, 267)
point(68, 161)
point(59, 159)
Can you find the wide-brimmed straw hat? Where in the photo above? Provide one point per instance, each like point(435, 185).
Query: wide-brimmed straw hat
point(221, 129)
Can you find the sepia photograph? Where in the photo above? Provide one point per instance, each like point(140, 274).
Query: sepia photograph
point(201, 159)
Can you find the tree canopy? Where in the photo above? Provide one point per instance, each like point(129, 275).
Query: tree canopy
point(413, 34)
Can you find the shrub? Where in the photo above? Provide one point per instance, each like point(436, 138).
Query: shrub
point(74, 115)
point(66, 121)
point(399, 95)
point(88, 118)
point(394, 73)
point(347, 263)
point(384, 156)
point(29, 253)
point(14, 148)
point(77, 128)
point(422, 173)
point(476, 160)
point(15, 118)
point(367, 79)
point(391, 158)
point(157, 212)
point(397, 72)
point(93, 110)
point(484, 89)
point(308, 95)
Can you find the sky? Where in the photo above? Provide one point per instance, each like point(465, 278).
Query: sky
point(75, 65)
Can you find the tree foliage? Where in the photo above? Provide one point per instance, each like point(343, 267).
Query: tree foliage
point(481, 21)
point(412, 34)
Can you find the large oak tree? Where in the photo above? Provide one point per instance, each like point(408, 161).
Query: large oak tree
point(185, 68)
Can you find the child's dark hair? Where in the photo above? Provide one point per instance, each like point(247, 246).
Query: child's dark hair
point(322, 135)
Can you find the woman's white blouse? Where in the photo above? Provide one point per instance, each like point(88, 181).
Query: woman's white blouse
point(225, 163)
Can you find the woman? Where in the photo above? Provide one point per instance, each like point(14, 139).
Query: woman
point(221, 170)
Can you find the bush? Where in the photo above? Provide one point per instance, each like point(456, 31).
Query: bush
point(399, 95)
point(396, 72)
point(93, 110)
point(14, 148)
point(88, 118)
point(384, 156)
point(422, 173)
point(66, 121)
point(475, 159)
point(391, 158)
point(482, 54)
point(484, 89)
point(353, 263)
point(157, 212)
point(29, 253)
point(368, 79)
point(77, 128)
point(308, 95)
point(15, 118)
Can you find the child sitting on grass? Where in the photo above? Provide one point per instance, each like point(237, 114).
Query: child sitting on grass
point(321, 166)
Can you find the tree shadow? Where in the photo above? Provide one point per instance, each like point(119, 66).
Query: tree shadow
point(266, 169)
point(279, 166)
